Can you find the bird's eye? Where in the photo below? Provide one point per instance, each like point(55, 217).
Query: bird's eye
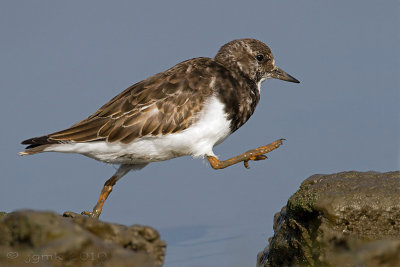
point(260, 57)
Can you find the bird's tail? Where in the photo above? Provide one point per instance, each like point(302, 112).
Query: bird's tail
point(37, 145)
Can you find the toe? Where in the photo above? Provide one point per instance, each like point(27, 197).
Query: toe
point(260, 157)
point(90, 214)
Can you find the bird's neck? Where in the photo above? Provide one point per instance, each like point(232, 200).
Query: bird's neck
point(240, 99)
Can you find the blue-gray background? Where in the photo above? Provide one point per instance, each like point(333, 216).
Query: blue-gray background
point(60, 61)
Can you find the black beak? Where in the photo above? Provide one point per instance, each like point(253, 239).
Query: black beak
point(278, 73)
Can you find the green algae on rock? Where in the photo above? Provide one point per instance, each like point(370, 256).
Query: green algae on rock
point(343, 219)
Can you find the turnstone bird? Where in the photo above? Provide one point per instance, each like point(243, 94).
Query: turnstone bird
point(185, 110)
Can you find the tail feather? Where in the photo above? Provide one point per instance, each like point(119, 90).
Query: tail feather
point(38, 141)
point(37, 144)
point(31, 151)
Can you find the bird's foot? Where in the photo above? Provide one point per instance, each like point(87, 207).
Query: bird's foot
point(254, 154)
point(107, 188)
point(95, 214)
point(258, 153)
point(255, 158)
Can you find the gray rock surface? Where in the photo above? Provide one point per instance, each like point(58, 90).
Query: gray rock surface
point(49, 239)
point(343, 219)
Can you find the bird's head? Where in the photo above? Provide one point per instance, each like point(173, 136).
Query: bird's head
point(252, 59)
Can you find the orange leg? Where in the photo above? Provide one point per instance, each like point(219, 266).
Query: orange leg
point(254, 154)
point(107, 188)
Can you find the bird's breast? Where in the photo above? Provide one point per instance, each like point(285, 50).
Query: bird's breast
point(240, 100)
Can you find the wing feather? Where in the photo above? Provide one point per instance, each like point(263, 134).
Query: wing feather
point(162, 104)
point(105, 130)
point(151, 123)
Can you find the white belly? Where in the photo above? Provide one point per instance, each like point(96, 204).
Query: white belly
point(198, 140)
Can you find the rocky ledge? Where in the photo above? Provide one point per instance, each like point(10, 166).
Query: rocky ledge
point(49, 239)
point(343, 219)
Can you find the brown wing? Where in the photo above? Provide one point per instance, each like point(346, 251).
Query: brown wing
point(164, 103)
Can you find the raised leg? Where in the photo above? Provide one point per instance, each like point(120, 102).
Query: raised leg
point(107, 188)
point(254, 154)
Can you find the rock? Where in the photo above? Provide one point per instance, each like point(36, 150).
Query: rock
point(343, 219)
point(49, 239)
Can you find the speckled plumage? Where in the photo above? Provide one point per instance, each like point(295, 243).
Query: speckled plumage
point(185, 110)
point(168, 102)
